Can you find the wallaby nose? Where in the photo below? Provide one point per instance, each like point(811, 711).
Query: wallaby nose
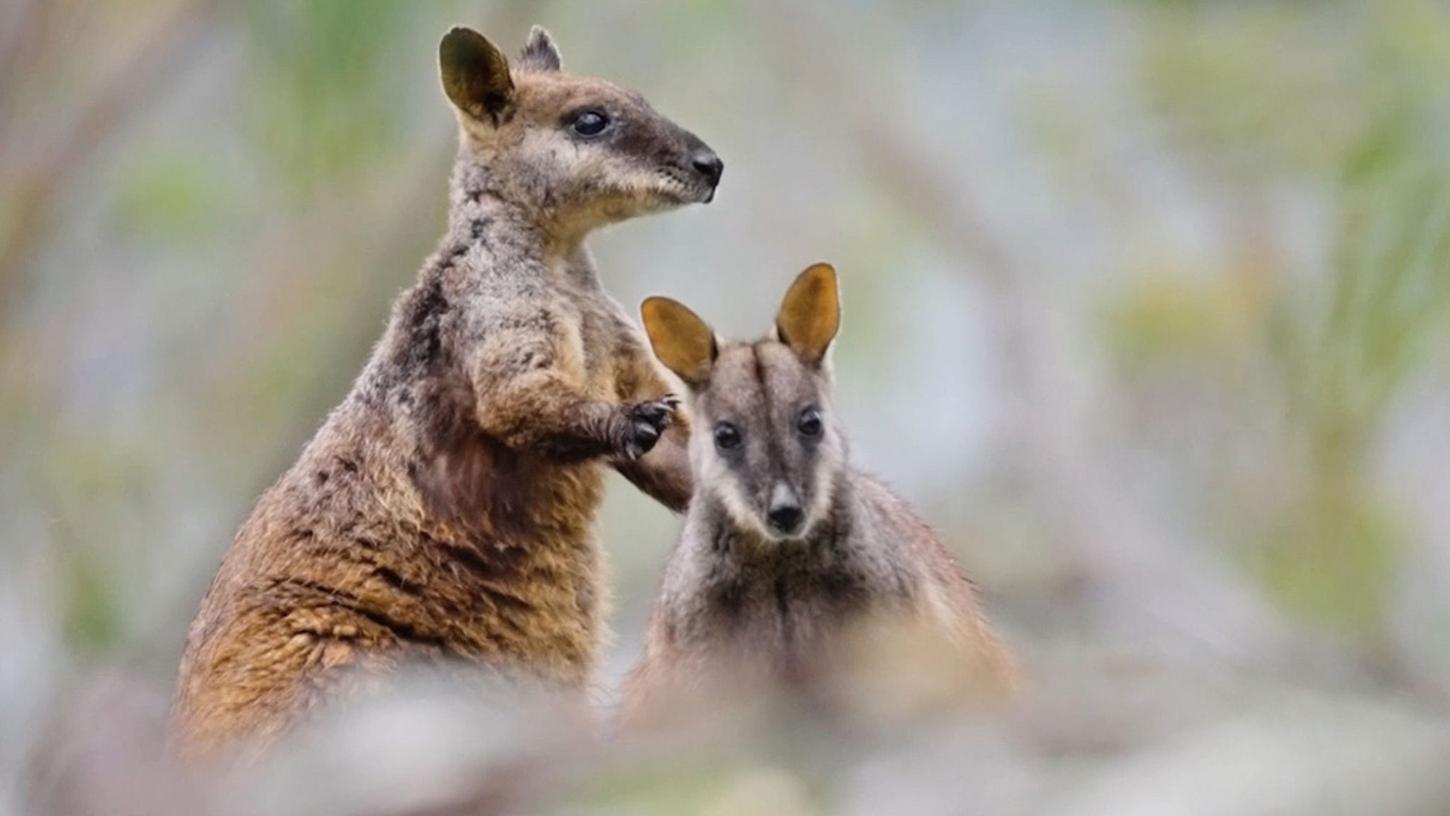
point(785, 519)
point(785, 510)
point(707, 164)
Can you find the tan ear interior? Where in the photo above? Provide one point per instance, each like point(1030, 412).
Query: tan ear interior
point(683, 342)
point(810, 313)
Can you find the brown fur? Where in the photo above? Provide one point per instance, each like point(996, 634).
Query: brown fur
point(444, 511)
point(748, 597)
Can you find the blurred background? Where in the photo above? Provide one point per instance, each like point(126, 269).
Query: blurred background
point(1146, 310)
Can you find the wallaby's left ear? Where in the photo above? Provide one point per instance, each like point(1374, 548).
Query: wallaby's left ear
point(681, 340)
point(475, 75)
point(810, 314)
point(540, 53)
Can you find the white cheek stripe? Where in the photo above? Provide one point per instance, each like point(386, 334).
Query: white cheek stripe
point(738, 508)
point(825, 492)
point(712, 475)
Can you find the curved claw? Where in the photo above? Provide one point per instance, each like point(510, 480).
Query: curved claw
point(655, 412)
point(643, 436)
point(647, 421)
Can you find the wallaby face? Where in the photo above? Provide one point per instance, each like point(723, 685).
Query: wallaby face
point(768, 447)
point(588, 151)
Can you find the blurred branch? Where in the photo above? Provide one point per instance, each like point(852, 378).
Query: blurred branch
point(37, 181)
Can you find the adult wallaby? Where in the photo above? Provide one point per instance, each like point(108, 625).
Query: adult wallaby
point(446, 508)
point(786, 546)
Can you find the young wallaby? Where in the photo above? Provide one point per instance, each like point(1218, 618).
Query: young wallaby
point(786, 546)
point(445, 509)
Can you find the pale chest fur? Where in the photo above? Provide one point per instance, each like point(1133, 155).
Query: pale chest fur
point(602, 351)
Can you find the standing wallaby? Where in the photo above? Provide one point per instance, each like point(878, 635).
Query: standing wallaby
point(786, 546)
point(445, 509)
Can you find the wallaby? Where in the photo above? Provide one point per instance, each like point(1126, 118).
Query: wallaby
point(445, 510)
point(786, 546)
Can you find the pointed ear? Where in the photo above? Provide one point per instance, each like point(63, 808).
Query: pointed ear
point(540, 53)
point(810, 314)
point(475, 75)
point(681, 340)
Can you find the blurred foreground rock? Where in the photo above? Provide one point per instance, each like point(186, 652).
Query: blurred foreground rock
point(1096, 732)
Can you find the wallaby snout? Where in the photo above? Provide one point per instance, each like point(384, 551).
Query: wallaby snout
point(785, 513)
point(705, 162)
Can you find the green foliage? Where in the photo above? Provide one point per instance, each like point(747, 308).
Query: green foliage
point(170, 195)
point(1348, 353)
point(87, 486)
point(324, 97)
point(1331, 556)
point(1253, 88)
point(91, 611)
point(1167, 317)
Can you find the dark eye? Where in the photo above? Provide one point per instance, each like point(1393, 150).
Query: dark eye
point(727, 436)
point(589, 122)
point(810, 422)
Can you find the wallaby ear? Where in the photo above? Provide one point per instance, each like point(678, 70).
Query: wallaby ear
point(681, 340)
point(475, 75)
point(540, 53)
point(810, 314)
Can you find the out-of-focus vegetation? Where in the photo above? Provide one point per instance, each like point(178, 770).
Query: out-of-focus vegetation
point(1355, 110)
point(1146, 310)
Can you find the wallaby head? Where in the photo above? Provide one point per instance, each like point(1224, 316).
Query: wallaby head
point(579, 149)
point(768, 449)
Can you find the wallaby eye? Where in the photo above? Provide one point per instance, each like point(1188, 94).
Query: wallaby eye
point(727, 436)
point(589, 122)
point(810, 422)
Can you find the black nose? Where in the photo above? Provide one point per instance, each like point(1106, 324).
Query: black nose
point(785, 518)
point(707, 164)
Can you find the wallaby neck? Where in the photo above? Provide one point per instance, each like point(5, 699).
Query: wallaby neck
point(488, 213)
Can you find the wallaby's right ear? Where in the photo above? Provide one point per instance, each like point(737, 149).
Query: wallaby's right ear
point(540, 53)
point(810, 314)
point(681, 340)
point(475, 75)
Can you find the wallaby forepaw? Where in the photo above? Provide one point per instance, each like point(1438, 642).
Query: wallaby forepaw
point(646, 421)
point(658, 413)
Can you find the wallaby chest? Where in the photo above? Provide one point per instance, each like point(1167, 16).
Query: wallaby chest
point(608, 349)
point(784, 595)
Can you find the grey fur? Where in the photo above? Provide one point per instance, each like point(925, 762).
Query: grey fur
point(742, 600)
